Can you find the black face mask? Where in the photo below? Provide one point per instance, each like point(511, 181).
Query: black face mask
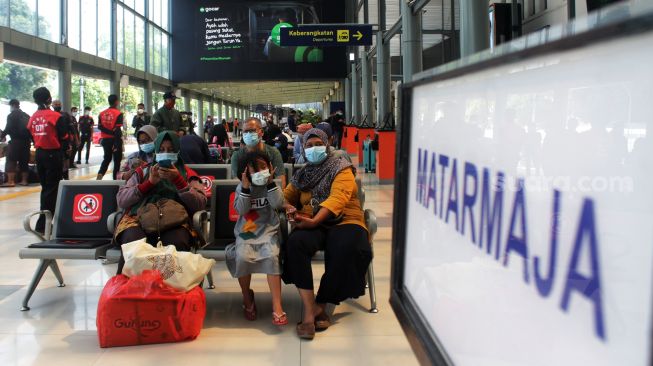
point(57, 109)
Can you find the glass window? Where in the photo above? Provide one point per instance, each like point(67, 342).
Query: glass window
point(23, 16)
point(157, 101)
point(4, 13)
point(104, 29)
point(73, 24)
point(89, 34)
point(139, 50)
point(89, 92)
point(129, 38)
point(139, 6)
point(165, 67)
point(164, 15)
point(50, 20)
point(120, 31)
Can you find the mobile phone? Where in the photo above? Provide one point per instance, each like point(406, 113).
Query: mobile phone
point(165, 163)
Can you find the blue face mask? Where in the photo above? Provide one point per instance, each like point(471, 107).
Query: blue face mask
point(250, 138)
point(316, 155)
point(147, 148)
point(166, 156)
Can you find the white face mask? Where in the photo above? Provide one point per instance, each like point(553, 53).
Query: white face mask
point(86, 113)
point(261, 178)
point(75, 113)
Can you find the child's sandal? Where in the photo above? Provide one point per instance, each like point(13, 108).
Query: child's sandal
point(279, 319)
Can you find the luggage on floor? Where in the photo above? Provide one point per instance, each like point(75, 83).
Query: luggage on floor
point(144, 310)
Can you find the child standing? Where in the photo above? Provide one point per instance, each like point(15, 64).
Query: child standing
point(256, 249)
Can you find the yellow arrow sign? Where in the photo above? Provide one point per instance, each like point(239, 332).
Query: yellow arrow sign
point(358, 35)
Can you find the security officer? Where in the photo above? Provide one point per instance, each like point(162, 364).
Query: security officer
point(48, 130)
point(110, 124)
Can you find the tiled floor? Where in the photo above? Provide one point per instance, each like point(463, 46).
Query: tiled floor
point(60, 328)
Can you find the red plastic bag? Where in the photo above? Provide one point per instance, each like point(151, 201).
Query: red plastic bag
point(144, 310)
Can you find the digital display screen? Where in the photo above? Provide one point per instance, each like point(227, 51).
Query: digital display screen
point(214, 40)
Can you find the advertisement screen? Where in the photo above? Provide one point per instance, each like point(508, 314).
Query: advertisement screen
point(216, 40)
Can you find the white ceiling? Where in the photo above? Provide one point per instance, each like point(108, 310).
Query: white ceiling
point(265, 92)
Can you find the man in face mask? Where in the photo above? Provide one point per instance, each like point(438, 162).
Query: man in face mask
point(253, 141)
point(67, 146)
point(18, 152)
point(141, 118)
point(75, 140)
point(167, 118)
point(86, 124)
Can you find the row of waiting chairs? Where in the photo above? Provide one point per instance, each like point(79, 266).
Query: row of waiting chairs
point(87, 212)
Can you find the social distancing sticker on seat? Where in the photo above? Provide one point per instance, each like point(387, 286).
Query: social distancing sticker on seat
point(87, 208)
point(233, 214)
point(207, 182)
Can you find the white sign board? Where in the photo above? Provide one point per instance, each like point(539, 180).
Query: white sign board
point(529, 220)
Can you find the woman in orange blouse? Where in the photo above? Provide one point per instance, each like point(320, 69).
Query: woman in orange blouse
point(322, 198)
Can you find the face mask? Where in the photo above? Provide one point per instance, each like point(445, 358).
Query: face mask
point(141, 111)
point(261, 178)
point(148, 148)
point(57, 109)
point(184, 118)
point(250, 138)
point(86, 113)
point(75, 114)
point(316, 155)
point(166, 156)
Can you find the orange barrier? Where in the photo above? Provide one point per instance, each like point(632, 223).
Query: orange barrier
point(385, 157)
point(363, 133)
point(350, 144)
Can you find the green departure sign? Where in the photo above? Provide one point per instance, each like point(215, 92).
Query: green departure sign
point(325, 35)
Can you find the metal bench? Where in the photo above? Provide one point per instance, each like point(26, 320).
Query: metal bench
point(78, 229)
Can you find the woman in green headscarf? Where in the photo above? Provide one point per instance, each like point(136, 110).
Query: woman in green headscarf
point(165, 178)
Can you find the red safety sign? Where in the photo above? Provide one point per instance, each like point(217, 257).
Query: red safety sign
point(233, 214)
point(207, 182)
point(87, 208)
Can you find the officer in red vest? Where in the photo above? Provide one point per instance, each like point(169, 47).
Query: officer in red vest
point(110, 124)
point(48, 130)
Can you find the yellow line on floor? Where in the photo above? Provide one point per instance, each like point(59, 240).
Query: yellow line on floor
point(28, 191)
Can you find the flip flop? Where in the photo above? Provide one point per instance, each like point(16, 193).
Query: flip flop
point(250, 313)
point(279, 319)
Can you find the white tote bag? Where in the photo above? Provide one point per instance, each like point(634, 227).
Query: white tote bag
point(181, 270)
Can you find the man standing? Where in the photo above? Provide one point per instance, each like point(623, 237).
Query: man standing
point(86, 124)
point(236, 129)
point(48, 130)
point(253, 138)
point(74, 136)
point(208, 126)
point(68, 123)
point(291, 121)
point(110, 123)
point(167, 118)
point(18, 152)
point(140, 119)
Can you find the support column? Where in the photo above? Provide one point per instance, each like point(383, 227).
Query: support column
point(186, 101)
point(201, 117)
point(368, 99)
point(347, 99)
point(474, 27)
point(149, 108)
point(355, 99)
point(411, 41)
point(65, 85)
point(220, 110)
point(382, 79)
point(212, 107)
point(114, 86)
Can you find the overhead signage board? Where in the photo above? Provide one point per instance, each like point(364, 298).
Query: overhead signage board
point(324, 35)
point(524, 208)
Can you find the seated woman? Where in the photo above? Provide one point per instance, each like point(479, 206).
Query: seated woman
point(328, 217)
point(144, 156)
point(256, 249)
point(165, 178)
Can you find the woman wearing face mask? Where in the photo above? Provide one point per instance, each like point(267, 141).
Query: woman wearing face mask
point(144, 156)
point(323, 202)
point(165, 178)
point(256, 249)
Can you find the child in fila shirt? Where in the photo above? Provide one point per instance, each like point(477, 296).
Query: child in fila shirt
point(257, 246)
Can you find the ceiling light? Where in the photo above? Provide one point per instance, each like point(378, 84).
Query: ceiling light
point(352, 56)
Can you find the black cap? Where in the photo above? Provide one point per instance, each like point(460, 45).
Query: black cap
point(14, 103)
point(169, 95)
point(41, 95)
